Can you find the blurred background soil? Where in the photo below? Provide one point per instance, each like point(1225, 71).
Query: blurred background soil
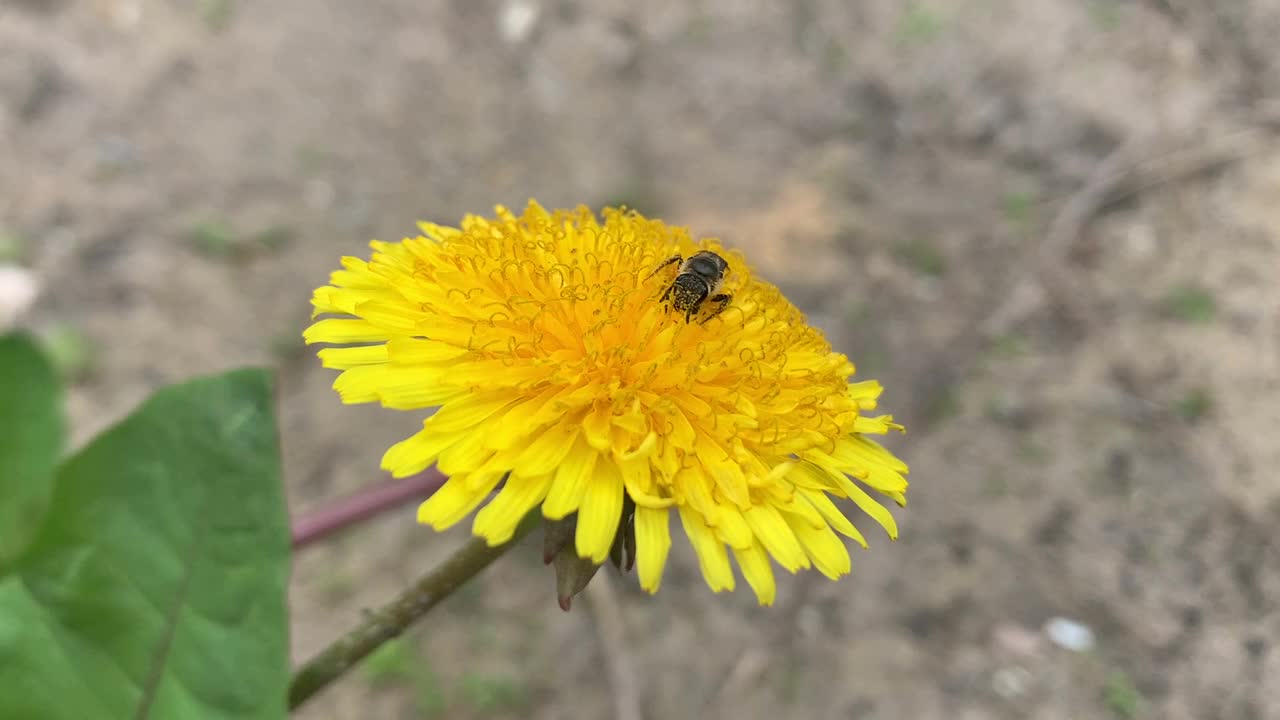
point(1049, 226)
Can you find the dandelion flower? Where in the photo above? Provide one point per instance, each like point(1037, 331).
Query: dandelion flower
point(545, 343)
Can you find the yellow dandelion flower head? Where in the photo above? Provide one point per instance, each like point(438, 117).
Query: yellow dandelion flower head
point(549, 343)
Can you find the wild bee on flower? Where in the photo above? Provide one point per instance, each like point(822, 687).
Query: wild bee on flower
point(561, 383)
point(698, 281)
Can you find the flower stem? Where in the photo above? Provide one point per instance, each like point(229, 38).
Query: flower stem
point(363, 505)
point(395, 617)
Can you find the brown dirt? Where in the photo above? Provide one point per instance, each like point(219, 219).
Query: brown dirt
point(896, 167)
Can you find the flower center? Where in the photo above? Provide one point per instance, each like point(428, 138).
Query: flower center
point(558, 304)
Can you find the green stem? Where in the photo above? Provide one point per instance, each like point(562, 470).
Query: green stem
point(395, 617)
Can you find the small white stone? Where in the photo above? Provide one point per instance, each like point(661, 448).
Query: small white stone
point(18, 290)
point(1140, 242)
point(125, 14)
point(1018, 640)
point(516, 20)
point(1069, 634)
point(1011, 682)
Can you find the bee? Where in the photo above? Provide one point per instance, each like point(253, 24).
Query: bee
point(699, 281)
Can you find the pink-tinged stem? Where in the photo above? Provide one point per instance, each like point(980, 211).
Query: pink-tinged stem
point(363, 505)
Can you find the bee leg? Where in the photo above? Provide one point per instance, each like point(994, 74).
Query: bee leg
point(722, 301)
point(665, 264)
point(667, 294)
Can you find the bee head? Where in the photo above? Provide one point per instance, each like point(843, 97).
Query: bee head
point(707, 265)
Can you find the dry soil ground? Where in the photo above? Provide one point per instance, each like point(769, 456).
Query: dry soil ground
point(1052, 227)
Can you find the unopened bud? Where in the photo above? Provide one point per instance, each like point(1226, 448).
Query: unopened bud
point(624, 543)
point(557, 534)
point(573, 573)
point(558, 550)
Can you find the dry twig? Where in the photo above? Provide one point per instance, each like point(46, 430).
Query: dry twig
point(1128, 171)
point(613, 643)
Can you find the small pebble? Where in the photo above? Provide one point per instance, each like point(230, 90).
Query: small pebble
point(1140, 243)
point(1011, 682)
point(124, 14)
point(516, 20)
point(1018, 640)
point(1069, 634)
point(116, 154)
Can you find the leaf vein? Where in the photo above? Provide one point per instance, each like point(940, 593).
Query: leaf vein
point(155, 673)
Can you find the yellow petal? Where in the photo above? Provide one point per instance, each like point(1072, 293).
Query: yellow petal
point(464, 456)
point(410, 388)
point(832, 515)
point(696, 486)
point(454, 501)
point(596, 426)
point(341, 331)
point(754, 562)
point(826, 551)
point(500, 462)
point(416, 452)
point(779, 471)
point(396, 317)
point(548, 450)
point(726, 472)
point(712, 557)
point(633, 421)
point(800, 509)
point(653, 542)
point(865, 393)
point(732, 528)
point(521, 417)
point(497, 521)
point(599, 512)
point(681, 434)
point(360, 384)
point(438, 232)
point(666, 459)
point(776, 536)
point(811, 477)
point(420, 351)
point(869, 506)
point(341, 358)
point(879, 425)
point(466, 412)
point(644, 450)
point(638, 480)
point(346, 299)
point(571, 479)
point(355, 274)
point(692, 405)
point(858, 450)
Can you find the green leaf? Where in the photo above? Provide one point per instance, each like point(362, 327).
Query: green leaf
point(31, 434)
point(156, 587)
